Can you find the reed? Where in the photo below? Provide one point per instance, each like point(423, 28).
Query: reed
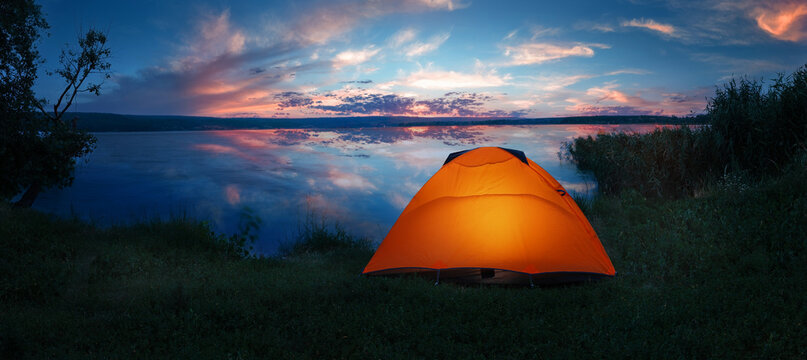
point(750, 129)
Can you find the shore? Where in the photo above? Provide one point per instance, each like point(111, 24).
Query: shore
point(719, 275)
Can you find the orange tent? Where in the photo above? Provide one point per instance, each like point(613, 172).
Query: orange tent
point(491, 209)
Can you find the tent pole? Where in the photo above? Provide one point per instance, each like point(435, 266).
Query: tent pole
point(531, 284)
point(438, 278)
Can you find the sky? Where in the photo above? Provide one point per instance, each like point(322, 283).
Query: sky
point(429, 58)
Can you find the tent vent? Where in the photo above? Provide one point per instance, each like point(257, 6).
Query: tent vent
point(517, 153)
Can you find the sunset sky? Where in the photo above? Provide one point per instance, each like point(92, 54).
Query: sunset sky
point(425, 57)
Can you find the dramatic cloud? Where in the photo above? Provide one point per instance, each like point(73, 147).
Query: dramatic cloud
point(218, 87)
point(451, 104)
point(536, 53)
point(370, 104)
point(223, 71)
point(215, 74)
point(312, 59)
point(215, 36)
point(651, 25)
point(292, 99)
point(783, 20)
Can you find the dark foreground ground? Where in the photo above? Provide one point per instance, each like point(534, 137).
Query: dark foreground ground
point(720, 275)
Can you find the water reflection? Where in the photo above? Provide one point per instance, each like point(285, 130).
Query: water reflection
point(361, 178)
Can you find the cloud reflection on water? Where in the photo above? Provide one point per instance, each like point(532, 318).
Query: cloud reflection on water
point(361, 178)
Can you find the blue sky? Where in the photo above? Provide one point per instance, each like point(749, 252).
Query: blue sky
point(425, 57)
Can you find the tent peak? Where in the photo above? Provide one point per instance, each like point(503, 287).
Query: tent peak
point(518, 154)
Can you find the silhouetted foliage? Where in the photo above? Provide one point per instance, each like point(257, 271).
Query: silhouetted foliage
point(39, 150)
point(751, 129)
point(315, 235)
point(760, 130)
point(666, 161)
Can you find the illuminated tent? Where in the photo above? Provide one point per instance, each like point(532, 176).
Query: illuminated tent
point(491, 215)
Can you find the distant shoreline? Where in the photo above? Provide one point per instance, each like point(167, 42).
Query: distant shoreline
point(104, 122)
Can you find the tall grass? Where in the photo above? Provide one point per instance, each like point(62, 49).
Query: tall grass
point(317, 235)
point(750, 129)
point(759, 130)
point(664, 162)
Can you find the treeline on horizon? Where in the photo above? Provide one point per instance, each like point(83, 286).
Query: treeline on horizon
point(106, 122)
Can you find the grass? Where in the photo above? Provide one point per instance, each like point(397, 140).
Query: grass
point(717, 276)
point(316, 235)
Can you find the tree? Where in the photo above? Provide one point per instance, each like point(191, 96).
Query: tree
point(39, 150)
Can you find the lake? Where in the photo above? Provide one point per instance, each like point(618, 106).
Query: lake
point(359, 178)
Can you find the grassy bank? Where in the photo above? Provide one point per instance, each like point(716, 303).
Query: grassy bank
point(718, 276)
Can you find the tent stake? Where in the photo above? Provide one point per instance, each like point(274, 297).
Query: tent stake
point(438, 278)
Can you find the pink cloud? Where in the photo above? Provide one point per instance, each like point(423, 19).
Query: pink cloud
point(217, 149)
point(784, 20)
point(225, 71)
point(651, 25)
point(607, 100)
point(228, 150)
point(608, 93)
point(233, 194)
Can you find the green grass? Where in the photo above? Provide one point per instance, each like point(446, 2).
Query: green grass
point(717, 276)
point(316, 235)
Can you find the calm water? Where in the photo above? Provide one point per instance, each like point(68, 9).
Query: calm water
point(361, 178)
